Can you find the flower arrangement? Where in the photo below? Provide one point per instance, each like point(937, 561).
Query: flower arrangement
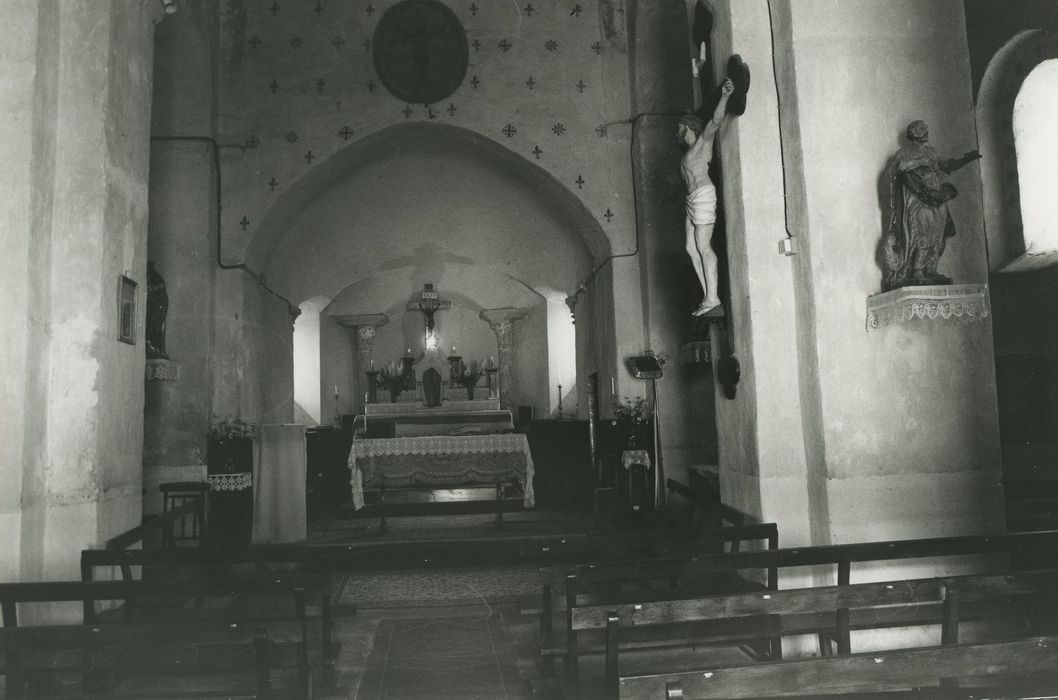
point(392, 378)
point(232, 429)
point(230, 446)
point(636, 411)
point(468, 375)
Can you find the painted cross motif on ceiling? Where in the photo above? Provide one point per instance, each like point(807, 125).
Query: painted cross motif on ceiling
point(345, 133)
point(451, 109)
point(509, 130)
point(577, 9)
point(274, 8)
point(529, 9)
point(537, 151)
point(580, 182)
point(273, 183)
point(473, 9)
point(274, 85)
point(254, 41)
point(370, 9)
point(597, 47)
point(475, 82)
point(428, 303)
point(318, 9)
point(244, 222)
point(252, 141)
point(581, 86)
point(609, 215)
point(531, 83)
point(505, 45)
point(338, 42)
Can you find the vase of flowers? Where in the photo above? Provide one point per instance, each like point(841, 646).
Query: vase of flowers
point(230, 448)
point(632, 416)
point(469, 376)
point(392, 378)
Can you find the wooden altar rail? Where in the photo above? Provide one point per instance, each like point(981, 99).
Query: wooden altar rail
point(1025, 601)
point(151, 634)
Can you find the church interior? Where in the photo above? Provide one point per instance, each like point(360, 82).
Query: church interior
point(395, 305)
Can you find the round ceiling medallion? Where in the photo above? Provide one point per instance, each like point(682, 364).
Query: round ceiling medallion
point(420, 51)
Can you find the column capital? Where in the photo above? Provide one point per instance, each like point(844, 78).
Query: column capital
point(358, 320)
point(507, 314)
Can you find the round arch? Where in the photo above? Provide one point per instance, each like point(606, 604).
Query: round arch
point(1000, 85)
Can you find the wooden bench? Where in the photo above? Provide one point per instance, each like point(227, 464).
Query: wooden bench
point(995, 669)
point(612, 579)
point(153, 634)
point(209, 567)
point(731, 572)
point(1025, 601)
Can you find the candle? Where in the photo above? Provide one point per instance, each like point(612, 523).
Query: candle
point(408, 353)
point(453, 349)
point(372, 364)
point(335, 391)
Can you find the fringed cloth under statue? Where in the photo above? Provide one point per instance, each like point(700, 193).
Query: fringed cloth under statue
point(279, 484)
point(441, 461)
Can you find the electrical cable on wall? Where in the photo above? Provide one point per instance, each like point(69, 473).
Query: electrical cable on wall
point(256, 276)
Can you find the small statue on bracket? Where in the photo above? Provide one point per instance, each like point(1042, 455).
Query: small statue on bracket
point(920, 223)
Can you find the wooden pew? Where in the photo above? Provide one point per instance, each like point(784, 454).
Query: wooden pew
point(997, 669)
point(618, 579)
point(723, 572)
point(208, 567)
point(104, 648)
point(1028, 598)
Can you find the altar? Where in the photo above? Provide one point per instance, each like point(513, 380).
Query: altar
point(439, 461)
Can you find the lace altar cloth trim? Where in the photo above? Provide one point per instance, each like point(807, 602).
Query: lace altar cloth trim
point(230, 482)
point(162, 370)
point(441, 461)
point(630, 457)
point(961, 302)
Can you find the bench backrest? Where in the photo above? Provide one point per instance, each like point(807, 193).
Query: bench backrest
point(91, 592)
point(842, 557)
point(902, 669)
point(946, 592)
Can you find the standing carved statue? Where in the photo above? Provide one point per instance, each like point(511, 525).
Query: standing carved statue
point(920, 223)
point(157, 308)
point(695, 136)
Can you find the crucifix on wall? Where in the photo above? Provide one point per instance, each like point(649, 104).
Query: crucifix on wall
point(429, 304)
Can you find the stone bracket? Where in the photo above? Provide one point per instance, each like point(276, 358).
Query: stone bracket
point(957, 302)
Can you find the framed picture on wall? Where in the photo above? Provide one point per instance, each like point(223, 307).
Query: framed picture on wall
point(126, 310)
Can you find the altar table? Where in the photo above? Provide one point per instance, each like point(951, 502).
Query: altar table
point(440, 461)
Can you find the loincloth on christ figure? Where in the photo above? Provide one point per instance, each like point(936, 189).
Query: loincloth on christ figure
point(701, 205)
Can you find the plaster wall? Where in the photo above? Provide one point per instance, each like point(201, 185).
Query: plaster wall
point(83, 225)
point(764, 468)
point(922, 394)
point(181, 245)
point(338, 368)
point(28, 69)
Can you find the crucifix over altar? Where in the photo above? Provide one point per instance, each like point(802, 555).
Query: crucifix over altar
point(429, 304)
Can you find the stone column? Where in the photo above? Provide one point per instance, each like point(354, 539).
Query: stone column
point(362, 330)
point(501, 321)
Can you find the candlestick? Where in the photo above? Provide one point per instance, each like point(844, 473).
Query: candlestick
point(560, 416)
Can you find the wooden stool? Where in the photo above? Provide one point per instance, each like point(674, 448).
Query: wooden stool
point(174, 495)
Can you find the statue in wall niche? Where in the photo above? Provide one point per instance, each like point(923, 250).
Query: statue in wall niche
point(695, 135)
point(157, 308)
point(920, 223)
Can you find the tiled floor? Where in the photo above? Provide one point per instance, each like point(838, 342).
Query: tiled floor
point(468, 657)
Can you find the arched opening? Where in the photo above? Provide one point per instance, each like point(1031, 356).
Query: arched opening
point(1036, 145)
point(1016, 110)
point(419, 204)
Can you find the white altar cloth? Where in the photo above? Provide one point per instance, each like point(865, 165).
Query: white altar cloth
point(440, 461)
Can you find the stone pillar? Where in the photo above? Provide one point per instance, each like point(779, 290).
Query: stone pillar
point(362, 330)
point(501, 321)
